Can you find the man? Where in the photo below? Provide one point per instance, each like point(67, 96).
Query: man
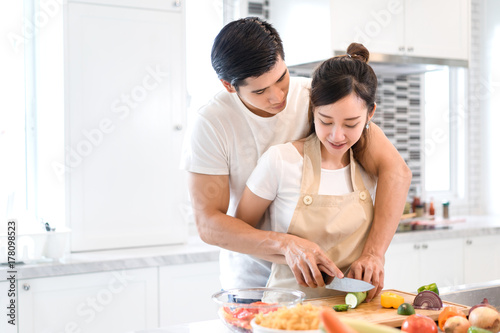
point(260, 107)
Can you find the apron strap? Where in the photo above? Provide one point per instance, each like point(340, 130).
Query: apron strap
point(312, 165)
point(356, 178)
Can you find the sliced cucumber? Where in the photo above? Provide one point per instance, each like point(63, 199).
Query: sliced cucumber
point(341, 307)
point(354, 299)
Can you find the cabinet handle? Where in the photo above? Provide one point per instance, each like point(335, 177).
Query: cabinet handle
point(26, 286)
point(401, 48)
point(416, 246)
point(178, 127)
point(410, 49)
point(177, 3)
point(468, 242)
point(424, 246)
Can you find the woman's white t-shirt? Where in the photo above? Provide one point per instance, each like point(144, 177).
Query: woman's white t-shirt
point(278, 177)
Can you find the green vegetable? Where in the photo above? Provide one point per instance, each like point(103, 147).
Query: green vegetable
point(341, 307)
point(474, 329)
point(431, 287)
point(406, 309)
point(354, 299)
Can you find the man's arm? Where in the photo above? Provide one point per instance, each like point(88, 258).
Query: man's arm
point(394, 177)
point(210, 200)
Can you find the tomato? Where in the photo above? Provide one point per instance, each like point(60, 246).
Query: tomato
point(241, 317)
point(448, 312)
point(419, 324)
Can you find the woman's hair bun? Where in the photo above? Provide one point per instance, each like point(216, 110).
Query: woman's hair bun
point(358, 51)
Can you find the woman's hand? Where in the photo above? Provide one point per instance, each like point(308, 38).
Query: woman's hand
point(307, 262)
point(369, 268)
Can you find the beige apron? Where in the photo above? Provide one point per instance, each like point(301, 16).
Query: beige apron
point(339, 224)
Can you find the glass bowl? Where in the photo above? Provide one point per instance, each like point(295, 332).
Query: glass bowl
point(237, 307)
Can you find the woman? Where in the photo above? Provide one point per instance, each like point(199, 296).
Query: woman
point(314, 188)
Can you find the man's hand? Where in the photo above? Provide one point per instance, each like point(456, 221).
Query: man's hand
point(369, 268)
point(307, 262)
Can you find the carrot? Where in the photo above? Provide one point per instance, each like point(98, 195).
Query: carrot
point(332, 323)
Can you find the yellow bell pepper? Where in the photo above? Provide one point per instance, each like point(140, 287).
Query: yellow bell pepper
point(391, 300)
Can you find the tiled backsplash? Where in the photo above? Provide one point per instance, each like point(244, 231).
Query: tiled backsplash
point(398, 115)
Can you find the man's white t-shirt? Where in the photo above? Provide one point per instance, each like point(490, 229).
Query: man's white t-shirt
point(228, 139)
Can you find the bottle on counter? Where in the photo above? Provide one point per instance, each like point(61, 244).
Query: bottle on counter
point(415, 203)
point(446, 210)
point(432, 210)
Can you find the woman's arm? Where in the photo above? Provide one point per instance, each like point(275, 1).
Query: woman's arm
point(251, 207)
point(210, 200)
point(382, 159)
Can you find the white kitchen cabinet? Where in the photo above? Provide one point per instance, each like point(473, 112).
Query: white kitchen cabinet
point(185, 292)
point(401, 267)
point(426, 28)
point(379, 25)
point(438, 29)
point(117, 301)
point(481, 258)
point(411, 265)
point(5, 300)
point(125, 114)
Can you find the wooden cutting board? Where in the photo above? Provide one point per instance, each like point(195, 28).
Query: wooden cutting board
point(373, 312)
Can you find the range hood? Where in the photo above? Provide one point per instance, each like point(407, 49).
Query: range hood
point(386, 64)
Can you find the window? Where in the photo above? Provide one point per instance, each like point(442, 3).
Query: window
point(444, 133)
point(32, 116)
point(13, 193)
point(437, 131)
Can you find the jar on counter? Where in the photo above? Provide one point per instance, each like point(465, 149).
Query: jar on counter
point(419, 210)
point(446, 210)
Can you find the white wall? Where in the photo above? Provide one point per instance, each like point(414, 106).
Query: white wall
point(290, 16)
point(491, 76)
point(204, 19)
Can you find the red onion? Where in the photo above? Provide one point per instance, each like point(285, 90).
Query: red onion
point(427, 300)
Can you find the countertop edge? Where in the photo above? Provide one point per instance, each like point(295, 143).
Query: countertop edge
point(194, 251)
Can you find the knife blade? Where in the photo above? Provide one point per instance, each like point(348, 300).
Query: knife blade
point(349, 285)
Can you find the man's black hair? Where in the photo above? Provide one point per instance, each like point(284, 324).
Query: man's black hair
point(244, 48)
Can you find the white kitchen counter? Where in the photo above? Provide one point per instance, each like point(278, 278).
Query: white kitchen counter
point(466, 226)
point(196, 251)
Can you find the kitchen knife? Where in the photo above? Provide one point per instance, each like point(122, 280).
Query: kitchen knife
point(349, 285)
